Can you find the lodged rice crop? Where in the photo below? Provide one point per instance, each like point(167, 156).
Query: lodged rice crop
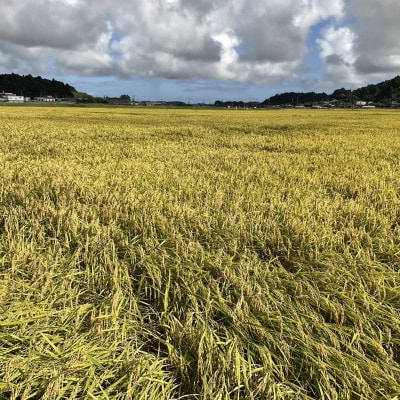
point(199, 254)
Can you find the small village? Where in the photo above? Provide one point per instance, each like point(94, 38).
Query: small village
point(13, 98)
point(38, 90)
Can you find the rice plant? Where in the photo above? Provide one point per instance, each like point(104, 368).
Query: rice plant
point(199, 254)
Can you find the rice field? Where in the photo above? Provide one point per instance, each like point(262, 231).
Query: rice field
point(199, 254)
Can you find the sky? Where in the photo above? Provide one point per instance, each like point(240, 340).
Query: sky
point(202, 50)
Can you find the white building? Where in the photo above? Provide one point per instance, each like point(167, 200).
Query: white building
point(11, 98)
point(16, 99)
point(46, 99)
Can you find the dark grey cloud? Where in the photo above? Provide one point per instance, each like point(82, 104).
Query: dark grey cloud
point(377, 29)
point(50, 23)
point(366, 65)
point(257, 41)
point(366, 46)
point(334, 59)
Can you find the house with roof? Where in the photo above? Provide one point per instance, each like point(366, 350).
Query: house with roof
point(11, 98)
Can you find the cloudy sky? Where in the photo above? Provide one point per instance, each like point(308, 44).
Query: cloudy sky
point(202, 50)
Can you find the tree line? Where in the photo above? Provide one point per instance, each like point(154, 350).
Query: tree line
point(383, 93)
point(29, 86)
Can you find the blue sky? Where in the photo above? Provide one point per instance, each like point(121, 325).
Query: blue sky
point(192, 91)
point(202, 50)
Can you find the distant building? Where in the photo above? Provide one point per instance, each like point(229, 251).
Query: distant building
point(119, 101)
point(69, 100)
point(361, 103)
point(11, 98)
point(45, 99)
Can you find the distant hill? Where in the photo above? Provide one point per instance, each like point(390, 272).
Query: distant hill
point(383, 94)
point(30, 86)
point(295, 98)
point(380, 93)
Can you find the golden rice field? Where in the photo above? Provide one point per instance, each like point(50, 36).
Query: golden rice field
point(199, 254)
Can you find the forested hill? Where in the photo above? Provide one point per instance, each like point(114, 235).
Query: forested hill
point(383, 93)
point(30, 86)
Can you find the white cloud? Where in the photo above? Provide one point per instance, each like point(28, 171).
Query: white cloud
point(377, 30)
point(310, 12)
point(256, 41)
point(337, 50)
